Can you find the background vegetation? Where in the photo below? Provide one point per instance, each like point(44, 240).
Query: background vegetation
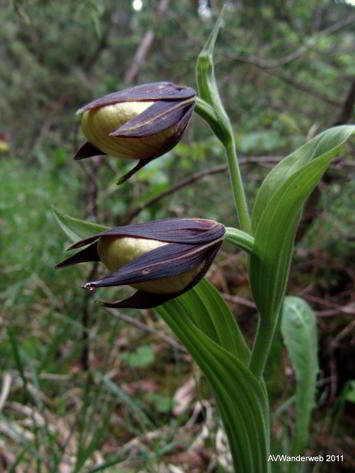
point(85, 388)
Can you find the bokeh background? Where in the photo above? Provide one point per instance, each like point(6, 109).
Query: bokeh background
point(87, 389)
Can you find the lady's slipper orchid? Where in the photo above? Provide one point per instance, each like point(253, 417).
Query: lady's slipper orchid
point(162, 259)
point(141, 122)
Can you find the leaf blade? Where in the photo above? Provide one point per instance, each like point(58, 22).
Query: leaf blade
point(212, 315)
point(241, 397)
point(298, 328)
point(276, 215)
point(75, 228)
point(325, 144)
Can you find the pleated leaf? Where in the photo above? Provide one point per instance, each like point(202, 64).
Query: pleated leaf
point(213, 316)
point(241, 397)
point(299, 331)
point(326, 144)
point(277, 212)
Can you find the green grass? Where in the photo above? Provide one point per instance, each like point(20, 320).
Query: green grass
point(30, 241)
point(57, 413)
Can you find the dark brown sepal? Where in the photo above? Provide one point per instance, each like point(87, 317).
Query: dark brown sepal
point(87, 151)
point(157, 118)
point(164, 262)
point(167, 145)
point(150, 92)
point(146, 300)
point(170, 230)
point(84, 256)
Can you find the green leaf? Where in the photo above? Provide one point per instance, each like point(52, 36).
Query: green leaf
point(299, 330)
point(277, 211)
point(325, 145)
point(77, 229)
point(211, 106)
point(212, 315)
point(241, 397)
point(205, 78)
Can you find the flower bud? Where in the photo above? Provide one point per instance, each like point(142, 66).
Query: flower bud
point(117, 252)
point(141, 122)
point(162, 259)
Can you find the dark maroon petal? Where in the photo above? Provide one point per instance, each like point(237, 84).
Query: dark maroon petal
point(170, 230)
point(88, 151)
point(146, 300)
point(155, 119)
point(141, 300)
point(146, 92)
point(166, 261)
point(166, 146)
point(206, 265)
point(87, 254)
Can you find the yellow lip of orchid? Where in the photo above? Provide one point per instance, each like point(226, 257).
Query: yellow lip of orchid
point(162, 258)
point(139, 123)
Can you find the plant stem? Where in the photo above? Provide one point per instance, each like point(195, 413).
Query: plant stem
point(262, 344)
point(224, 132)
point(237, 186)
point(208, 113)
point(240, 239)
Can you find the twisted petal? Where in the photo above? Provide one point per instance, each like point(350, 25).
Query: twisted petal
point(134, 170)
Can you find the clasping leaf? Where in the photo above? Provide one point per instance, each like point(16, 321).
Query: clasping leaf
point(277, 212)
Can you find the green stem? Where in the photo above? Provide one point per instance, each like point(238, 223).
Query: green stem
point(263, 340)
point(208, 113)
point(239, 238)
point(237, 186)
point(224, 132)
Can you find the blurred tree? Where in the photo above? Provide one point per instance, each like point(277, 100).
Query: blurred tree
point(286, 66)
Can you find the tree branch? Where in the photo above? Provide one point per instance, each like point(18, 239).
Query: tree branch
point(191, 179)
